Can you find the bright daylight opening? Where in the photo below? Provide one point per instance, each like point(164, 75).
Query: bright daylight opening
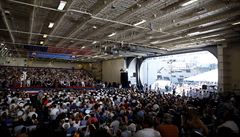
point(180, 72)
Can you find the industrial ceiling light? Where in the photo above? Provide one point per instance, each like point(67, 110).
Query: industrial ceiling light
point(41, 42)
point(82, 47)
point(94, 42)
point(94, 27)
point(45, 35)
point(212, 30)
point(51, 24)
point(218, 40)
point(209, 23)
point(236, 23)
point(210, 36)
point(113, 7)
point(204, 32)
point(189, 2)
point(194, 33)
point(112, 34)
point(7, 12)
point(61, 5)
point(141, 22)
point(155, 42)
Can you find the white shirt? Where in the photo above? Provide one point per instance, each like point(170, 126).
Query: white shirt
point(54, 112)
point(30, 114)
point(147, 132)
point(232, 125)
point(115, 126)
point(76, 125)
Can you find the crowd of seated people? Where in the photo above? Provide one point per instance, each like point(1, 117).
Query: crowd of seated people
point(43, 77)
point(117, 113)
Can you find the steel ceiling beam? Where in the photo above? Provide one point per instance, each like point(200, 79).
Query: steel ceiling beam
point(32, 22)
point(61, 37)
point(167, 13)
point(8, 27)
point(131, 10)
point(219, 34)
point(97, 7)
point(177, 30)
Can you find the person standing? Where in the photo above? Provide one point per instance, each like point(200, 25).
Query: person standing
point(147, 130)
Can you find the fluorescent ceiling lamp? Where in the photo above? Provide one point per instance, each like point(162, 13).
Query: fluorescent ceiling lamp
point(204, 32)
point(210, 23)
point(218, 40)
point(61, 5)
point(167, 40)
point(94, 42)
point(236, 23)
point(51, 24)
point(141, 22)
point(155, 42)
point(82, 47)
point(41, 42)
point(212, 30)
point(45, 35)
point(94, 27)
point(110, 35)
point(189, 2)
point(194, 33)
point(210, 36)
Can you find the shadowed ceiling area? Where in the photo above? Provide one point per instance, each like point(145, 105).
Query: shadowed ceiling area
point(93, 30)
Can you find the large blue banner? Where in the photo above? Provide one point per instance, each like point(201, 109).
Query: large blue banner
point(52, 56)
point(36, 48)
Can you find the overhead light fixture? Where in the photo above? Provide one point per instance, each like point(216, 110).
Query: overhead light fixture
point(94, 42)
point(2, 44)
point(41, 42)
point(6, 48)
point(167, 40)
point(139, 5)
point(194, 33)
point(110, 35)
point(212, 30)
point(204, 32)
point(51, 24)
point(7, 12)
point(210, 36)
point(218, 40)
point(94, 27)
point(82, 47)
point(236, 23)
point(61, 5)
point(45, 35)
point(189, 2)
point(141, 22)
point(155, 42)
point(210, 23)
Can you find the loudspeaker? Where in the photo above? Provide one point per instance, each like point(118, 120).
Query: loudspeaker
point(204, 86)
point(124, 79)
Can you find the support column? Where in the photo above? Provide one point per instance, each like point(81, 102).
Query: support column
point(229, 67)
